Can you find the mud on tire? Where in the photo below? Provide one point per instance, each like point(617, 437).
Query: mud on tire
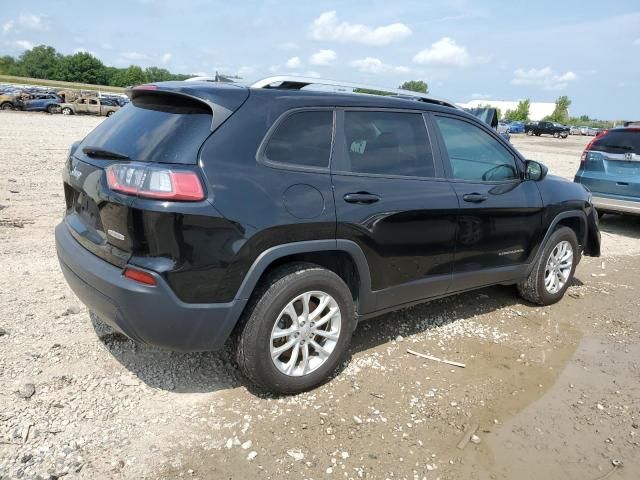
point(533, 288)
point(254, 334)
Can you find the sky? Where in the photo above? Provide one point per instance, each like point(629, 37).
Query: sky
point(464, 49)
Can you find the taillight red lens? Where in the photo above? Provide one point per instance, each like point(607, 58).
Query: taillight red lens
point(155, 182)
point(583, 158)
point(139, 276)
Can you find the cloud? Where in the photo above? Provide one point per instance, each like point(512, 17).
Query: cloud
point(33, 23)
point(293, 62)
point(166, 58)
point(446, 52)
point(24, 44)
point(481, 96)
point(133, 56)
point(84, 50)
point(288, 46)
point(245, 71)
point(323, 57)
point(328, 27)
point(375, 65)
point(544, 78)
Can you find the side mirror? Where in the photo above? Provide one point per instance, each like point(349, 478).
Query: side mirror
point(534, 171)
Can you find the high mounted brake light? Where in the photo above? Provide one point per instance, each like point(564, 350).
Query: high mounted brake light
point(155, 182)
point(146, 87)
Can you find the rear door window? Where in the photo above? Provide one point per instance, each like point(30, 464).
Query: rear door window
point(619, 141)
point(157, 127)
point(475, 154)
point(387, 143)
point(303, 138)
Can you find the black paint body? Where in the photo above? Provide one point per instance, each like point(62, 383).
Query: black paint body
point(421, 240)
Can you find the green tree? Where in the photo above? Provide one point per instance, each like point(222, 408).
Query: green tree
point(561, 112)
point(9, 66)
point(415, 86)
point(40, 62)
point(521, 113)
point(128, 77)
point(155, 74)
point(82, 67)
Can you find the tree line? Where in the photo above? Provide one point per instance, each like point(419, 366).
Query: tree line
point(46, 63)
point(560, 114)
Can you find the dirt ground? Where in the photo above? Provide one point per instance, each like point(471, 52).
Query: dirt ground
point(554, 391)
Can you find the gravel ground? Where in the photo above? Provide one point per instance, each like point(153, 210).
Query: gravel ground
point(553, 391)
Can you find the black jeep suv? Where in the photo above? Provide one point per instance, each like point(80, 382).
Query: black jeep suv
point(281, 217)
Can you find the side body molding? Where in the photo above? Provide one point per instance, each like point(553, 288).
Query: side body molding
point(366, 302)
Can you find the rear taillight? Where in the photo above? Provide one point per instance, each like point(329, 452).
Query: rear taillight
point(583, 158)
point(155, 182)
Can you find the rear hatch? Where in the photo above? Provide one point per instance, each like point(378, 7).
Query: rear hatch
point(611, 164)
point(161, 129)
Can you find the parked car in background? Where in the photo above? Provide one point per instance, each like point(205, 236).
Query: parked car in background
point(10, 100)
point(584, 130)
point(502, 128)
point(42, 102)
point(90, 106)
point(610, 168)
point(574, 130)
point(205, 211)
point(546, 128)
point(516, 127)
point(594, 131)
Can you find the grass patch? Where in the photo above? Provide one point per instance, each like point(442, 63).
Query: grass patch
point(58, 84)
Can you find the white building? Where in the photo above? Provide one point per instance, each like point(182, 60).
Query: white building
point(537, 110)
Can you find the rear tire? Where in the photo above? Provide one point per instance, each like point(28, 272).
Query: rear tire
point(262, 331)
point(530, 132)
point(109, 113)
point(67, 111)
point(556, 135)
point(550, 277)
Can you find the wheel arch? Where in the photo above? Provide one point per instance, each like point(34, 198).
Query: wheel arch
point(576, 220)
point(343, 257)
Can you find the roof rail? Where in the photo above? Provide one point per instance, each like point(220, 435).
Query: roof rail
point(288, 82)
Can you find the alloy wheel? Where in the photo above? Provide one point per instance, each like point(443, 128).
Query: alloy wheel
point(305, 333)
point(558, 268)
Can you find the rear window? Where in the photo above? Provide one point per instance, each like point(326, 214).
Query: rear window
point(161, 128)
point(618, 141)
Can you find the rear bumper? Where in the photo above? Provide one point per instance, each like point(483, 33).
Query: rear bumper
point(610, 204)
point(147, 314)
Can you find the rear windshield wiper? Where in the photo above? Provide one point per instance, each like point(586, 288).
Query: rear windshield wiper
point(97, 152)
point(621, 147)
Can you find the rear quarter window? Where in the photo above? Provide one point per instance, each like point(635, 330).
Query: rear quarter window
point(303, 138)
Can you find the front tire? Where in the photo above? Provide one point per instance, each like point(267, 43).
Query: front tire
point(6, 106)
point(67, 111)
point(553, 271)
point(530, 133)
point(297, 329)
